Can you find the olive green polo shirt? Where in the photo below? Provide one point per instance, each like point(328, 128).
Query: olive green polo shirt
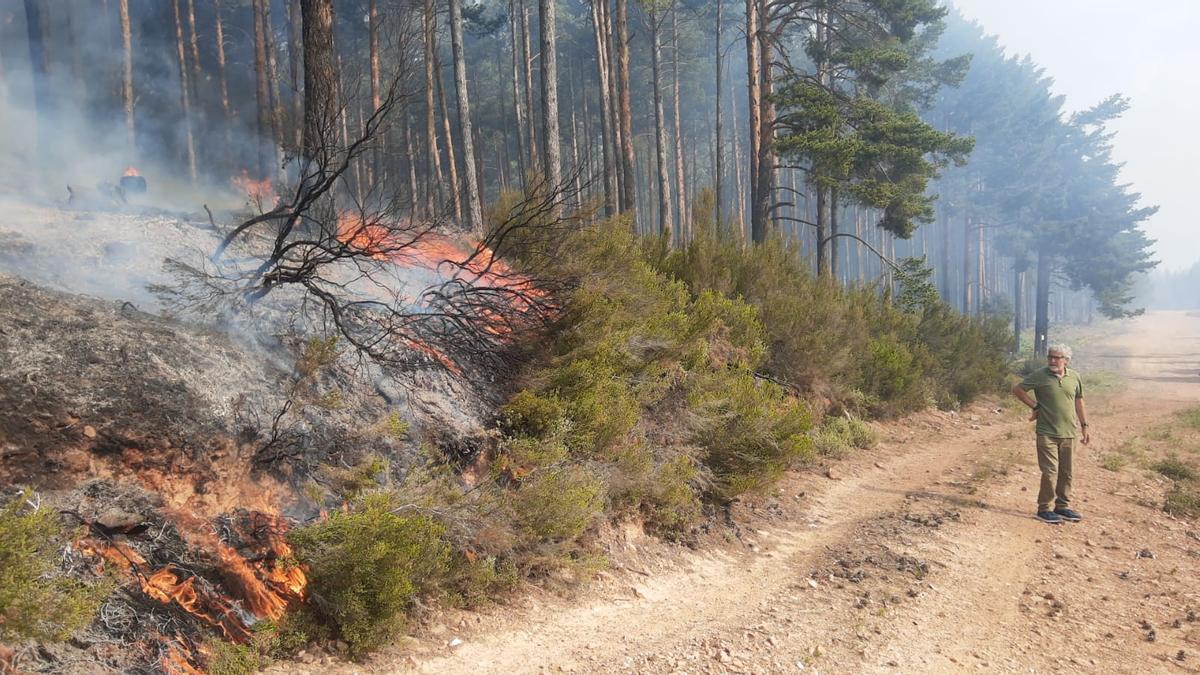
point(1056, 400)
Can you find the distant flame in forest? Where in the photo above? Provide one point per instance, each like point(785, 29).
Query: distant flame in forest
point(260, 191)
point(440, 253)
point(131, 171)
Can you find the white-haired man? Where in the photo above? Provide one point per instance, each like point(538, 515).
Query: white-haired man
point(1057, 404)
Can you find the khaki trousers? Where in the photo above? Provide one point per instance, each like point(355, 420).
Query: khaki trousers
point(1054, 459)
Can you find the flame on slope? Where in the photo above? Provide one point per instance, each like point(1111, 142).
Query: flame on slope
point(471, 263)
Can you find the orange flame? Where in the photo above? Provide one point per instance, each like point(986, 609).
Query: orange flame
point(260, 191)
point(176, 661)
point(131, 172)
point(437, 253)
point(264, 585)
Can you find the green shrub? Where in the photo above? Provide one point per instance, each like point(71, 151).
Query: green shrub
point(558, 503)
point(1183, 500)
point(366, 565)
point(1175, 469)
point(751, 430)
point(228, 658)
point(36, 600)
point(283, 638)
point(1190, 418)
point(1114, 462)
point(837, 436)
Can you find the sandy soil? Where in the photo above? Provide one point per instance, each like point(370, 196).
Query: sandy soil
point(921, 556)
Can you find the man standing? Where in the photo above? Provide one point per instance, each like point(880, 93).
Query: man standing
point(1057, 404)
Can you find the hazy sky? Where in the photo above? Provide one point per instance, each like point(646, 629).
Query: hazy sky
point(1146, 51)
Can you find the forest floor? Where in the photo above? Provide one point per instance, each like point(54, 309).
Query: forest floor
point(920, 556)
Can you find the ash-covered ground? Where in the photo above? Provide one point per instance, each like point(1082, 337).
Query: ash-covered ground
point(151, 429)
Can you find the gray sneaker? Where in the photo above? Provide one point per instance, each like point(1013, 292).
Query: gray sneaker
point(1068, 514)
point(1049, 517)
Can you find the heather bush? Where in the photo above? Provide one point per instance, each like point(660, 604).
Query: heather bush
point(36, 599)
point(366, 566)
point(838, 436)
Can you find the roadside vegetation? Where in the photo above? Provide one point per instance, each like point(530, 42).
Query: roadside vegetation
point(673, 383)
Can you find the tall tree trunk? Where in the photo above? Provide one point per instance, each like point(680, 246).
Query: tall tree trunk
point(433, 178)
point(518, 98)
point(599, 18)
point(1018, 296)
point(456, 200)
point(41, 83)
point(127, 81)
point(412, 160)
point(966, 266)
point(295, 40)
point(981, 257)
point(614, 96)
point(629, 187)
point(262, 92)
point(684, 224)
point(474, 208)
point(219, 29)
point(184, 102)
point(719, 169)
point(551, 150)
point(376, 96)
point(276, 104)
point(320, 82)
point(754, 108)
point(660, 131)
point(1041, 321)
point(195, 50)
point(764, 195)
point(834, 245)
point(534, 158)
point(739, 180)
point(823, 224)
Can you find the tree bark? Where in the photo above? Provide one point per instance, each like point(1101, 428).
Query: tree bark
point(753, 89)
point(276, 103)
point(194, 42)
point(533, 158)
point(551, 149)
point(127, 81)
point(599, 18)
point(376, 97)
point(184, 102)
point(719, 169)
point(1041, 320)
point(519, 113)
point(1018, 296)
point(660, 131)
point(262, 95)
point(295, 40)
point(629, 186)
point(764, 194)
point(219, 29)
point(434, 178)
point(320, 82)
point(474, 208)
point(456, 200)
point(683, 224)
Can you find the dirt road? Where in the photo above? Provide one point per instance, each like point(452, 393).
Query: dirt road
point(921, 556)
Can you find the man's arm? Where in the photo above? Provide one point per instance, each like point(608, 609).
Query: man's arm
point(1081, 414)
point(1027, 399)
